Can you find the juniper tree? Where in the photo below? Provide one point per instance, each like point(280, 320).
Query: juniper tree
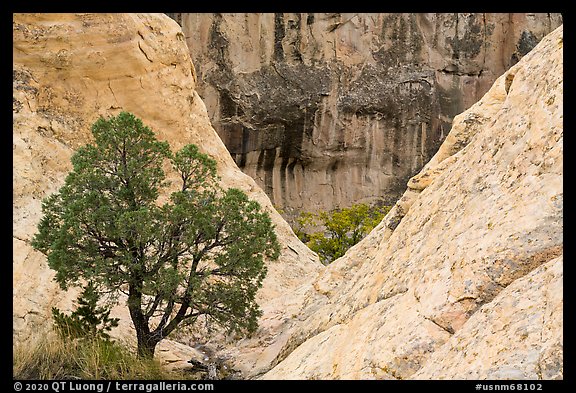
point(88, 320)
point(199, 253)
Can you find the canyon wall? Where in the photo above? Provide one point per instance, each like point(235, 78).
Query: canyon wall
point(68, 70)
point(327, 110)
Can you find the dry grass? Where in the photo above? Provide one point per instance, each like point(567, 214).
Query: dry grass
point(54, 358)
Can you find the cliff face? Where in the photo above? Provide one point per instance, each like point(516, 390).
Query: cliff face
point(463, 278)
point(68, 70)
point(326, 110)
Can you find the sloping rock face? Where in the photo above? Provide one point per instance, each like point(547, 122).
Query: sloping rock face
point(463, 278)
point(327, 110)
point(68, 70)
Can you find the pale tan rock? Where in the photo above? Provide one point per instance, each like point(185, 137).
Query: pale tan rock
point(69, 69)
point(488, 215)
point(528, 313)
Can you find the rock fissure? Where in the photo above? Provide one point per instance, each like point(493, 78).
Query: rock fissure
point(144, 52)
point(112, 91)
point(449, 71)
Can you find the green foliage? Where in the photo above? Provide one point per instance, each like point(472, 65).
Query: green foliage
point(200, 252)
point(341, 229)
point(88, 320)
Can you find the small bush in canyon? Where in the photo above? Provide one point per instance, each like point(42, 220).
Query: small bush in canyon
point(331, 234)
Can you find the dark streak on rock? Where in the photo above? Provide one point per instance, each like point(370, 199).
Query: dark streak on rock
point(279, 34)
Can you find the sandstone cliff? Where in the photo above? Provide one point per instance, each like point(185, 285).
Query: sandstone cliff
point(68, 70)
point(326, 110)
point(463, 278)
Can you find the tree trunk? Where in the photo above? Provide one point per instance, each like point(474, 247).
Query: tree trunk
point(146, 346)
point(146, 340)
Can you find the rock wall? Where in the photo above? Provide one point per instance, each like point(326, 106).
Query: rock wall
point(463, 278)
point(327, 110)
point(68, 70)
